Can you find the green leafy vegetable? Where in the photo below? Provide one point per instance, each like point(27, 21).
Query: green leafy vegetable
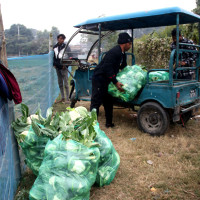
point(133, 79)
point(82, 129)
point(158, 76)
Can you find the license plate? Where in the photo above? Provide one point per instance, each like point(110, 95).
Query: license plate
point(192, 93)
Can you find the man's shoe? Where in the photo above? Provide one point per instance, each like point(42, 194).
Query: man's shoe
point(61, 100)
point(109, 125)
point(67, 101)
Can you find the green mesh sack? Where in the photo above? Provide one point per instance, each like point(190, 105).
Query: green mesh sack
point(133, 79)
point(158, 76)
point(33, 132)
point(109, 159)
point(33, 148)
point(67, 172)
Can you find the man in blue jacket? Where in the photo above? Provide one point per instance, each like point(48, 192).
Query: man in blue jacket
point(105, 73)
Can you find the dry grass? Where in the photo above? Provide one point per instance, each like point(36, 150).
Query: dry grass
point(175, 172)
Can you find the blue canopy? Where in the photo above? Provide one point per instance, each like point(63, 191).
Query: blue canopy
point(145, 19)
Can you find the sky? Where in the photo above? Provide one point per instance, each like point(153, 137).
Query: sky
point(64, 14)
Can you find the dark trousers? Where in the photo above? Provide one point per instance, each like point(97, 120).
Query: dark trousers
point(63, 82)
point(100, 96)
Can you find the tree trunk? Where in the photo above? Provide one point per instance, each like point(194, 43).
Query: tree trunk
point(3, 54)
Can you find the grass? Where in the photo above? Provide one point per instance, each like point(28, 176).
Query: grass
point(174, 174)
point(25, 185)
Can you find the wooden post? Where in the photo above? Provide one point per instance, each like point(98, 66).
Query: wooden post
point(50, 85)
point(50, 42)
point(3, 54)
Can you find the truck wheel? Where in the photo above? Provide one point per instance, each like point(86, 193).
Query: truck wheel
point(73, 100)
point(153, 119)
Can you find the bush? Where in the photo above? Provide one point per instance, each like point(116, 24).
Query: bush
point(153, 51)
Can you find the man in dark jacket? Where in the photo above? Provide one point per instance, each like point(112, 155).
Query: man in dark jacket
point(105, 73)
point(61, 70)
point(188, 58)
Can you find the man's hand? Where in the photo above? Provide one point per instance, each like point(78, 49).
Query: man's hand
point(182, 63)
point(119, 86)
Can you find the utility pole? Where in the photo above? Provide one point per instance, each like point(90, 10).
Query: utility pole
point(50, 42)
point(18, 37)
point(50, 68)
point(18, 31)
point(3, 54)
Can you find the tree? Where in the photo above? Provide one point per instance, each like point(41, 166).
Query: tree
point(197, 9)
point(55, 32)
point(110, 41)
point(23, 41)
point(19, 31)
point(191, 30)
point(16, 37)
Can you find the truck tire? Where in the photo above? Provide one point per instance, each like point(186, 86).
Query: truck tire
point(153, 119)
point(73, 100)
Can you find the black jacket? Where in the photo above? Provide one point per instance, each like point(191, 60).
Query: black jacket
point(110, 65)
point(58, 52)
point(187, 57)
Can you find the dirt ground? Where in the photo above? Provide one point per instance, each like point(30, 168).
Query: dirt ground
point(166, 167)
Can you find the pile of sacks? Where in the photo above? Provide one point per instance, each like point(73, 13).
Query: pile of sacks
point(68, 152)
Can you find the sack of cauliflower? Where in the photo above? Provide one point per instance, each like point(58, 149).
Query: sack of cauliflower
point(80, 156)
point(68, 171)
point(158, 76)
point(67, 151)
point(133, 79)
point(32, 136)
point(109, 159)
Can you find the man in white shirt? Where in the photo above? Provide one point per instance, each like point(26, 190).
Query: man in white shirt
point(61, 70)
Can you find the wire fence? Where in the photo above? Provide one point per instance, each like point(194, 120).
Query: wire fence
point(37, 80)
point(38, 84)
point(9, 157)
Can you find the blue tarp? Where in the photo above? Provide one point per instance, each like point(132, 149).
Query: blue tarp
point(28, 57)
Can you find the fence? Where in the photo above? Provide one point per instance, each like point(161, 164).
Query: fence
point(38, 83)
point(9, 159)
point(37, 80)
